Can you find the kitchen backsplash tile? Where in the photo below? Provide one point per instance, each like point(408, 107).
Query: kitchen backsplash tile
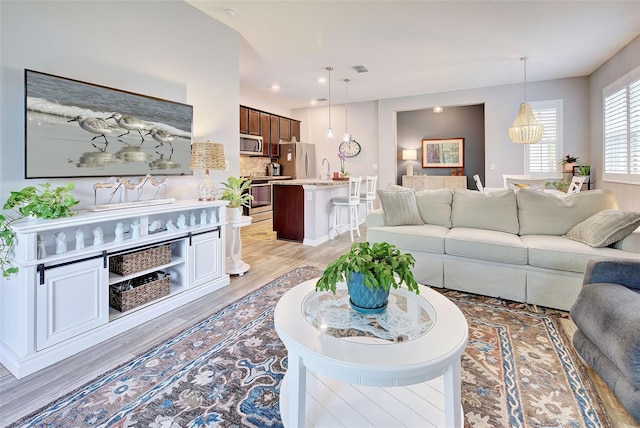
point(253, 165)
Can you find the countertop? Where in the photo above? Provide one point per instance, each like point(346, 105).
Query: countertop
point(312, 182)
point(267, 178)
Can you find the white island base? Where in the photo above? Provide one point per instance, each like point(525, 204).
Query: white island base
point(331, 403)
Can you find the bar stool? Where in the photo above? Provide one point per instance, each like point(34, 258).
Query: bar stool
point(350, 204)
point(369, 196)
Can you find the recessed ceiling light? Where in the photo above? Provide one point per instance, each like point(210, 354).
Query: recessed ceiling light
point(438, 109)
point(230, 12)
point(322, 80)
point(314, 101)
point(275, 87)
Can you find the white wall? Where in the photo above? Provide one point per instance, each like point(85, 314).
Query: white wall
point(628, 58)
point(168, 50)
point(501, 107)
point(362, 121)
point(373, 125)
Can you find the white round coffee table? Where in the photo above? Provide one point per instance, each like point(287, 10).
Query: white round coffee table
point(419, 338)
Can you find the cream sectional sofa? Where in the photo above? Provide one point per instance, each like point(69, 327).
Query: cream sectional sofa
point(504, 244)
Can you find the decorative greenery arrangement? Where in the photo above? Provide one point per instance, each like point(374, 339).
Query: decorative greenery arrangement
point(42, 202)
point(342, 158)
point(236, 191)
point(379, 263)
point(561, 185)
point(569, 159)
point(584, 170)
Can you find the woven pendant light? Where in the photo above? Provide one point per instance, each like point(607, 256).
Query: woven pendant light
point(525, 129)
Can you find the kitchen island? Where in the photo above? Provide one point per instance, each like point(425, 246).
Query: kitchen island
point(302, 209)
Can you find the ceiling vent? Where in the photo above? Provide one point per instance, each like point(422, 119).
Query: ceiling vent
point(321, 99)
point(360, 68)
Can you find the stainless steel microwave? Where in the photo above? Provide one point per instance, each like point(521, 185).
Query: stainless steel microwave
point(250, 144)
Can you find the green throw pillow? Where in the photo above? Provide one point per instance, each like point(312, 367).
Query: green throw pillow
point(399, 208)
point(605, 228)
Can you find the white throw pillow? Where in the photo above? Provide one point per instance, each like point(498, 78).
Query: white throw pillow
point(399, 208)
point(605, 228)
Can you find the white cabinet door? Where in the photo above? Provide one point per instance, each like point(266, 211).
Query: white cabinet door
point(73, 299)
point(206, 258)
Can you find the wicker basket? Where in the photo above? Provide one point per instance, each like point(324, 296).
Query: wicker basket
point(144, 289)
point(126, 264)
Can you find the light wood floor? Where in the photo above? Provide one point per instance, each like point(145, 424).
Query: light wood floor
point(268, 260)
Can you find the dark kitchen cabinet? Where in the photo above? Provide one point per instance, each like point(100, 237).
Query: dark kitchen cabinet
point(265, 131)
point(285, 129)
point(254, 122)
point(275, 135)
point(288, 212)
point(295, 129)
point(244, 120)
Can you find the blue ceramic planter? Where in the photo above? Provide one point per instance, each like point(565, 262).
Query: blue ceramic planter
point(364, 299)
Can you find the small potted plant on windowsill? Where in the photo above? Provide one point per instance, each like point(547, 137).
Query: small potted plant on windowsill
point(568, 163)
point(370, 271)
point(236, 191)
point(42, 202)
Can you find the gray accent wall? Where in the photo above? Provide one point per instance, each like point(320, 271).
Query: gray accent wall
point(454, 122)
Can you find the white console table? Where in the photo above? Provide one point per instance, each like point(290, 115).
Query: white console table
point(428, 182)
point(58, 304)
point(235, 265)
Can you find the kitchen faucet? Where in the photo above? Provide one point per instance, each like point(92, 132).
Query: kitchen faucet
point(328, 167)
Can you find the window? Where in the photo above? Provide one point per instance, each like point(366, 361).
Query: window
point(621, 129)
point(542, 158)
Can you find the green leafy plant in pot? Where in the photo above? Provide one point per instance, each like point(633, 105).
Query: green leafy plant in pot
point(236, 191)
point(37, 202)
point(370, 271)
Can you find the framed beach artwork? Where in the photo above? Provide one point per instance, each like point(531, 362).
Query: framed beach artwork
point(80, 129)
point(443, 153)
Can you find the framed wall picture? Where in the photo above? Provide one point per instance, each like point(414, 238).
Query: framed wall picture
point(443, 153)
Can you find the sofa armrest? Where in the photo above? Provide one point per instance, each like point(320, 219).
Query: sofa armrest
point(616, 271)
point(630, 243)
point(375, 218)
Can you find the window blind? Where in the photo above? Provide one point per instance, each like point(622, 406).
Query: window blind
point(621, 129)
point(541, 158)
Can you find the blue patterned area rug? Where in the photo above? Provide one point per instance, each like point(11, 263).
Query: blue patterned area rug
point(519, 370)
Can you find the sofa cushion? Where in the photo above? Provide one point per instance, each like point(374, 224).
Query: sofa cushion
point(492, 211)
point(435, 206)
point(557, 252)
point(604, 228)
point(484, 244)
point(540, 213)
point(428, 238)
point(399, 208)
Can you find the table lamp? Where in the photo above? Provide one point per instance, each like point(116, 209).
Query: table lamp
point(207, 156)
point(410, 155)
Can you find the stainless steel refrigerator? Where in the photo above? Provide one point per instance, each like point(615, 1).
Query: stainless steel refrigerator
point(298, 160)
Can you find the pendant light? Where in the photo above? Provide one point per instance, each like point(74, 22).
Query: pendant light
point(329, 130)
point(346, 137)
point(525, 129)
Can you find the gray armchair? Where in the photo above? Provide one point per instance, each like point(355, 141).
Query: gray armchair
point(607, 314)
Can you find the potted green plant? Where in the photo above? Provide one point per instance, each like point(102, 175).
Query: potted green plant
point(236, 191)
point(37, 202)
point(584, 170)
point(370, 271)
point(568, 162)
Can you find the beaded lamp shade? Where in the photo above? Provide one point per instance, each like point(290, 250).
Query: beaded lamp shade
point(207, 156)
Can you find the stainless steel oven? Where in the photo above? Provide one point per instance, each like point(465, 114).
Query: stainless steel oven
point(260, 208)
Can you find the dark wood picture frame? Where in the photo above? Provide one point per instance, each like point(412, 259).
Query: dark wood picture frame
point(443, 153)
